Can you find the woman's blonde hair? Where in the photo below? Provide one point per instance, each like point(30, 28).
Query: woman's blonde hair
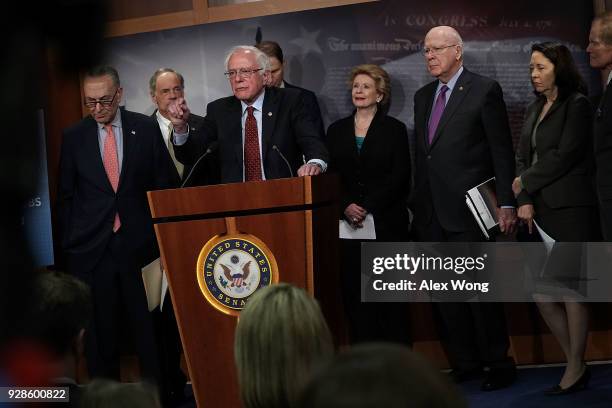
point(380, 77)
point(281, 335)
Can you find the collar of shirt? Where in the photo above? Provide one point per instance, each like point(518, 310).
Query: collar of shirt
point(282, 85)
point(450, 84)
point(258, 104)
point(116, 122)
point(164, 124)
point(609, 78)
point(118, 131)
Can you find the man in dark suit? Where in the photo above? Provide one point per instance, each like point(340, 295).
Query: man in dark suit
point(166, 86)
point(600, 55)
point(109, 160)
point(462, 139)
point(277, 78)
point(262, 133)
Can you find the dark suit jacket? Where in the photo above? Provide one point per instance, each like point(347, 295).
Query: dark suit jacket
point(378, 177)
point(602, 144)
point(286, 125)
point(207, 171)
point(472, 144)
point(564, 169)
point(312, 105)
point(86, 198)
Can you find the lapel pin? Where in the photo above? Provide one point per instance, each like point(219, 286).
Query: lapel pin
point(270, 114)
point(461, 88)
point(133, 132)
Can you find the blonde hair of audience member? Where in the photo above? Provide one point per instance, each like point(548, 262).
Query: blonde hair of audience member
point(281, 335)
point(112, 394)
point(380, 77)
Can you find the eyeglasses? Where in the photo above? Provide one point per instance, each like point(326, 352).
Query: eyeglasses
point(437, 50)
point(243, 72)
point(105, 101)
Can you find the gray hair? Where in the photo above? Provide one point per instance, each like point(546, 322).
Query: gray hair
point(103, 70)
point(156, 74)
point(262, 59)
point(605, 19)
point(275, 350)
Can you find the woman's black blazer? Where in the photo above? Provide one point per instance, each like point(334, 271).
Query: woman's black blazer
point(563, 173)
point(378, 177)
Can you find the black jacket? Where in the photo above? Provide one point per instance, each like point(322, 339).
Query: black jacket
point(378, 177)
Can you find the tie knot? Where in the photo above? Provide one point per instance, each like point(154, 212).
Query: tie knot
point(250, 110)
point(108, 128)
point(443, 89)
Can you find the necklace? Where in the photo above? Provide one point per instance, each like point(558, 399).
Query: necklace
point(369, 121)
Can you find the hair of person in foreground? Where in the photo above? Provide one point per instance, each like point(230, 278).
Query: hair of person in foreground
point(375, 375)
point(281, 337)
point(101, 393)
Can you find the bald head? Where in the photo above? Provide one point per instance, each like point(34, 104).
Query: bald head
point(445, 33)
point(443, 49)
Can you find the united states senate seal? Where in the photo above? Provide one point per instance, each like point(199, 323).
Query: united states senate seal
point(232, 267)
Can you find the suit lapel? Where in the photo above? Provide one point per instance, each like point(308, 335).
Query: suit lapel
point(268, 119)
point(428, 96)
point(234, 122)
point(129, 140)
point(530, 122)
point(461, 89)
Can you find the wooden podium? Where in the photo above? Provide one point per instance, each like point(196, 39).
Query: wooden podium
point(296, 218)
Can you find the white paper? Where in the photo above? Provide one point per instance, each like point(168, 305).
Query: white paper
point(164, 289)
point(547, 239)
point(152, 279)
point(346, 231)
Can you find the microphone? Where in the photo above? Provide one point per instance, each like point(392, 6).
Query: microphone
point(211, 148)
point(284, 159)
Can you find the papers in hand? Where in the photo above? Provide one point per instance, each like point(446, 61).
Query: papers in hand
point(549, 241)
point(482, 202)
point(346, 230)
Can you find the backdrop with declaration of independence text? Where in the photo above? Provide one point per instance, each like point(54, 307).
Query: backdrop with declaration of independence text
point(322, 45)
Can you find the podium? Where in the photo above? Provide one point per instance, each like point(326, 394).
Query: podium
point(294, 221)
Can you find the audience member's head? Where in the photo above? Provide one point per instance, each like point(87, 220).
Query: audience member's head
point(62, 311)
point(277, 62)
point(380, 375)
point(113, 394)
point(281, 336)
point(248, 71)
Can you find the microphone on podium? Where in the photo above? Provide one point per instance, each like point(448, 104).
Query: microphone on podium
point(211, 148)
point(284, 159)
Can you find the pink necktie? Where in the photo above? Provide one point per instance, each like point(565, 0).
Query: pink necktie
point(111, 165)
point(437, 112)
point(252, 158)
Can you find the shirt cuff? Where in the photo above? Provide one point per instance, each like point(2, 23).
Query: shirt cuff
point(320, 163)
point(508, 206)
point(180, 139)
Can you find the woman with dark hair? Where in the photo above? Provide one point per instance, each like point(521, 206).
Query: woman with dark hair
point(554, 188)
point(369, 151)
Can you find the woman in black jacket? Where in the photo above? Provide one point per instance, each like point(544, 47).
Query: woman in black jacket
point(555, 189)
point(369, 150)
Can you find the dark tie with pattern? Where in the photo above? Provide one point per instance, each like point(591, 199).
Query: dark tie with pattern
point(252, 158)
point(437, 112)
